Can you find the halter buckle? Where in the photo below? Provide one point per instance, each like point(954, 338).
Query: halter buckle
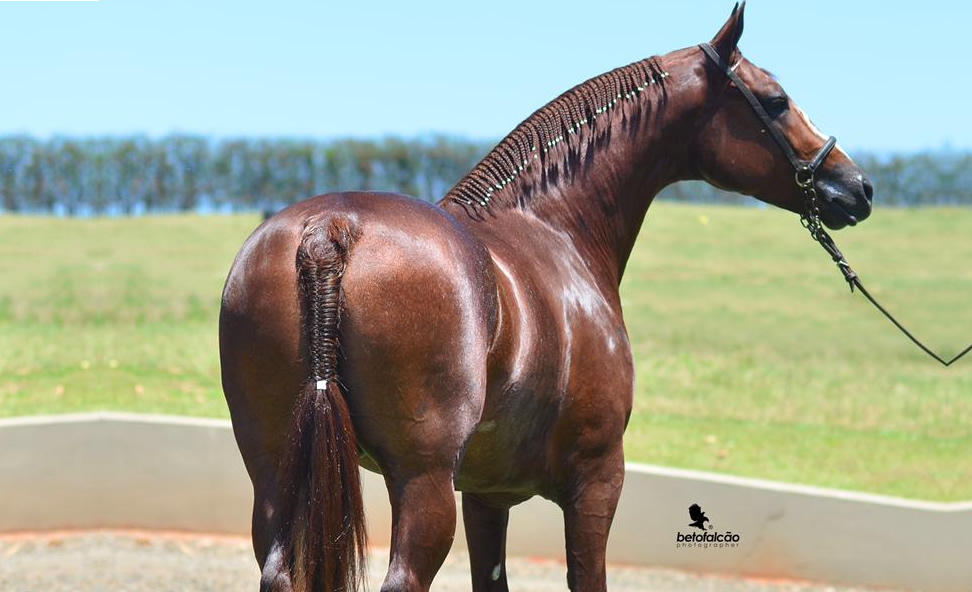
point(804, 177)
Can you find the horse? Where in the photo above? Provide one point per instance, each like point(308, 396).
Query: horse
point(478, 344)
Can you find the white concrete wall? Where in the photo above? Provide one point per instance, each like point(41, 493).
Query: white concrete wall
point(111, 470)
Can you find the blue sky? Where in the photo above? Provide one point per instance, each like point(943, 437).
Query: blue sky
point(882, 76)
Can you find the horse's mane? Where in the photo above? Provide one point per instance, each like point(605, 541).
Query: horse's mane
point(527, 153)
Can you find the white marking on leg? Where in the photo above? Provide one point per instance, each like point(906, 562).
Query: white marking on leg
point(497, 571)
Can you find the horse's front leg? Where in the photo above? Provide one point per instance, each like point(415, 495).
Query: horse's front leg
point(589, 508)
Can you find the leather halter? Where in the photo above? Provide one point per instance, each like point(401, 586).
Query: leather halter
point(804, 169)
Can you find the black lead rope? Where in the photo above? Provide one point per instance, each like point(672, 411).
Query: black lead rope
point(854, 281)
point(810, 219)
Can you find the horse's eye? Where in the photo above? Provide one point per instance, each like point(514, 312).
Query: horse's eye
point(777, 106)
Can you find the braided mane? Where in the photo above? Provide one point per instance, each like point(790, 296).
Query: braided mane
point(528, 153)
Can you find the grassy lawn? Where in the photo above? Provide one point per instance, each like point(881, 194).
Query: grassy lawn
point(113, 313)
point(752, 357)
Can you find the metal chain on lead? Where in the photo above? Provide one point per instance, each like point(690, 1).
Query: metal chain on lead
point(810, 218)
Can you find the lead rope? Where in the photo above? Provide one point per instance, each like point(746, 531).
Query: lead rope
point(810, 220)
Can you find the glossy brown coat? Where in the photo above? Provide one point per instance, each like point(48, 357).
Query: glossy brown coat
point(482, 339)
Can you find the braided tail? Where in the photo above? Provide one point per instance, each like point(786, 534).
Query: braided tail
point(321, 513)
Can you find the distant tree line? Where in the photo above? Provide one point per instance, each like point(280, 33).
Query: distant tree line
point(138, 175)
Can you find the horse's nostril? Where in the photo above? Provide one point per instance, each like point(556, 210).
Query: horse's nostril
point(868, 189)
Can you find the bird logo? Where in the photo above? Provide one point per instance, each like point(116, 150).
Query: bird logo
point(698, 517)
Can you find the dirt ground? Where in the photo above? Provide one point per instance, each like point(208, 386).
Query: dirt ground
point(152, 562)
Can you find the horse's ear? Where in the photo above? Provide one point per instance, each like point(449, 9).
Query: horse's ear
point(728, 36)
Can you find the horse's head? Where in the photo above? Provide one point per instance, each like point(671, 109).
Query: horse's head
point(735, 148)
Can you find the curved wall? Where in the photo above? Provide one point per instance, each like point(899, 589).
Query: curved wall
point(113, 470)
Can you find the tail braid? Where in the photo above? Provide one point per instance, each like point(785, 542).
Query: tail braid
point(320, 512)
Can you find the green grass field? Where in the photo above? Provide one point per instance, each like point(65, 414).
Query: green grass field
point(752, 356)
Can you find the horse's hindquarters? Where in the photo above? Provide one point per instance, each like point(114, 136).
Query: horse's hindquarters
point(418, 305)
point(260, 341)
point(416, 326)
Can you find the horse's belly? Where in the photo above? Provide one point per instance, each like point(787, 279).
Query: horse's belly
point(510, 450)
point(489, 467)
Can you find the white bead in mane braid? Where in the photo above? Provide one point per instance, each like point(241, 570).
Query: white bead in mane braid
point(558, 122)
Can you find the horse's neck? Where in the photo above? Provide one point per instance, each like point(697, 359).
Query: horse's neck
point(596, 182)
point(603, 209)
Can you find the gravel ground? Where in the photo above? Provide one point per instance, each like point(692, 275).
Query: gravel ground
point(150, 562)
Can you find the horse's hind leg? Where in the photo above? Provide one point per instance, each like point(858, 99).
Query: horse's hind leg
point(267, 545)
point(261, 466)
point(275, 574)
point(266, 536)
point(486, 539)
point(423, 527)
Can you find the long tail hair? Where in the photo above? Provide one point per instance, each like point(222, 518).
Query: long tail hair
point(321, 513)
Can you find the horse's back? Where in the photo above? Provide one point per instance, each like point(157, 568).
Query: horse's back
point(418, 311)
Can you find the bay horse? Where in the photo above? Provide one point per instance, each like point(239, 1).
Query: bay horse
point(478, 345)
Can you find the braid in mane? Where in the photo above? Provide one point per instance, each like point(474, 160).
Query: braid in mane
point(562, 121)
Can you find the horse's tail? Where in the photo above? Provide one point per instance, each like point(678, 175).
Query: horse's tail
point(322, 514)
